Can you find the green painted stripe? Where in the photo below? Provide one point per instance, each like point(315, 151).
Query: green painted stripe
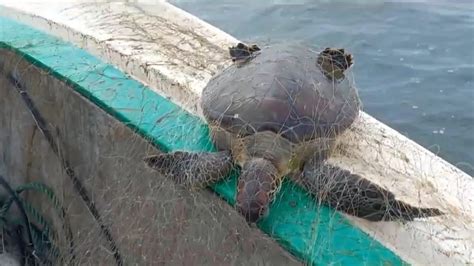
point(315, 234)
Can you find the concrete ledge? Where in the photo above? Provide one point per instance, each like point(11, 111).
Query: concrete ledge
point(176, 53)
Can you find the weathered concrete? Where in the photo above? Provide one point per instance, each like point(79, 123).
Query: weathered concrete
point(152, 221)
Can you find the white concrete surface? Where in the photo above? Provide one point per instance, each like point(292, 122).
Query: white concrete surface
point(175, 53)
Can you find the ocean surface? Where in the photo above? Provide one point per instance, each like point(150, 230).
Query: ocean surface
point(414, 61)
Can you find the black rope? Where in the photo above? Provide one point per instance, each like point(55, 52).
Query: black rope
point(78, 186)
point(63, 215)
point(17, 201)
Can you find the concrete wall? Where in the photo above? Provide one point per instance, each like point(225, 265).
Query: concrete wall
point(152, 221)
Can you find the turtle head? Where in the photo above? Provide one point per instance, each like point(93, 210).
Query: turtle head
point(334, 62)
point(257, 182)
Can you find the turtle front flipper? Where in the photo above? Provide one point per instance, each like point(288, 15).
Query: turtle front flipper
point(357, 196)
point(192, 168)
point(242, 52)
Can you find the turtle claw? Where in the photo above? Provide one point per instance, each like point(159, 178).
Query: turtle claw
point(192, 168)
point(242, 52)
point(357, 196)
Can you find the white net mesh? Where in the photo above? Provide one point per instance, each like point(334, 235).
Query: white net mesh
point(151, 219)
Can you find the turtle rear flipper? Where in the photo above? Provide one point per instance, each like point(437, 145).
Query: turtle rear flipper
point(192, 168)
point(242, 52)
point(334, 62)
point(357, 196)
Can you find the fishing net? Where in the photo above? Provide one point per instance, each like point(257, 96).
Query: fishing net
point(84, 129)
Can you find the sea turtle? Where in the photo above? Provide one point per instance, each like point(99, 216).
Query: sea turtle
point(276, 112)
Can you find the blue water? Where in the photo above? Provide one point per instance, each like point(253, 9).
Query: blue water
point(414, 61)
